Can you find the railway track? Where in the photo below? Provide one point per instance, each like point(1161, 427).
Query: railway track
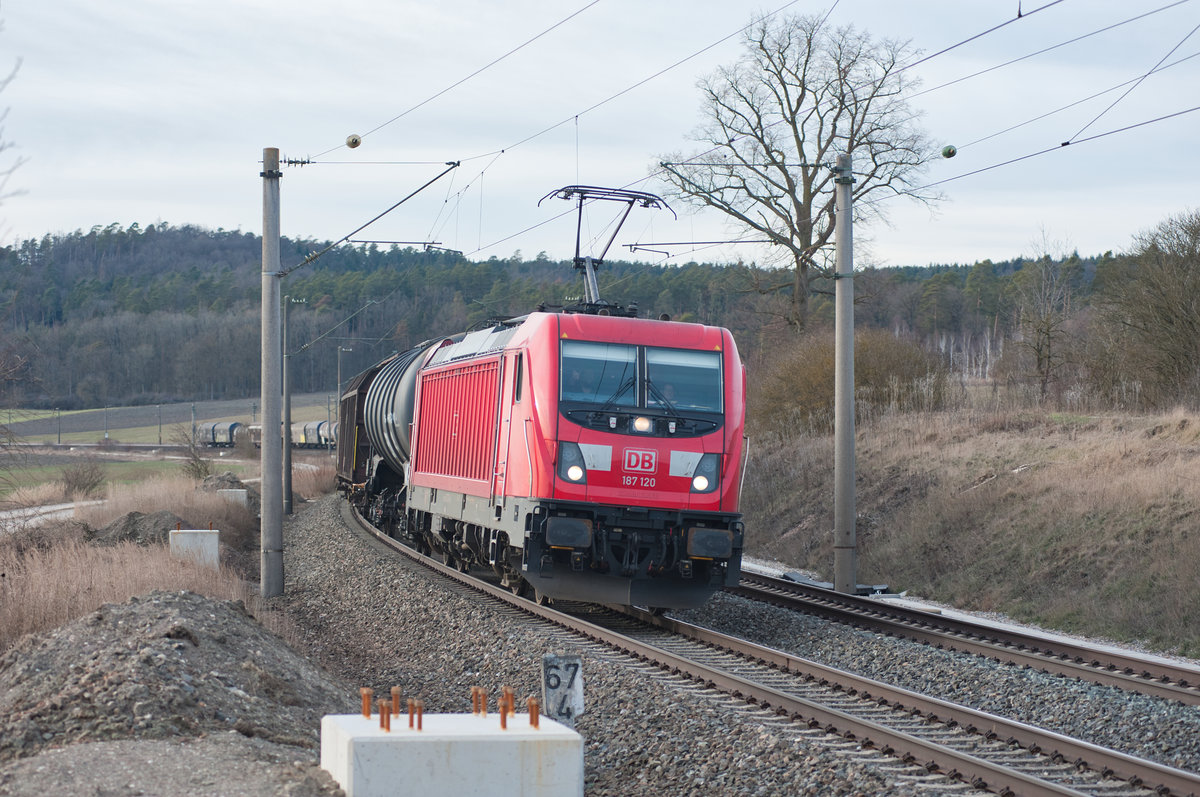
point(985, 752)
point(1154, 677)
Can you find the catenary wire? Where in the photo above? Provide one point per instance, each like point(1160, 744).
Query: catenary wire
point(1135, 85)
point(284, 272)
point(1014, 160)
point(1072, 104)
point(944, 50)
point(980, 35)
point(497, 153)
point(494, 154)
point(1055, 148)
point(468, 77)
point(1045, 50)
point(636, 85)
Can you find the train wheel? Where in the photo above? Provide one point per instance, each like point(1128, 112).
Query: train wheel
point(519, 587)
point(540, 598)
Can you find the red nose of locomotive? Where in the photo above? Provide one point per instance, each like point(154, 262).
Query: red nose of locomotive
point(658, 472)
point(655, 421)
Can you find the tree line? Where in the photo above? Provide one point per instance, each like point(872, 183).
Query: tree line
point(161, 313)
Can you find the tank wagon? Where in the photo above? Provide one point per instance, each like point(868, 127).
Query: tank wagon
point(579, 456)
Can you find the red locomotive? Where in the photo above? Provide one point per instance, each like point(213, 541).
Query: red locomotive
point(580, 455)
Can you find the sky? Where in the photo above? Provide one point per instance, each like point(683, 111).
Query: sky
point(149, 112)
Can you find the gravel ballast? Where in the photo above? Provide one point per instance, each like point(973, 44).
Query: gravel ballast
point(365, 618)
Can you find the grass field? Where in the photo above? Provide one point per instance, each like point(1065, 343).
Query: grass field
point(150, 423)
point(116, 472)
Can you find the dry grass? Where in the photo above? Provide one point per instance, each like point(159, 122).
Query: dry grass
point(1088, 523)
point(49, 575)
point(178, 494)
point(314, 480)
point(54, 492)
point(51, 582)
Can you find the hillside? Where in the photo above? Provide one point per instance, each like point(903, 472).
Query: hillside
point(1086, 523)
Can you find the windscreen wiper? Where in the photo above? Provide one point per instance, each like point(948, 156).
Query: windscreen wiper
point(612, 400)
point(666, 402)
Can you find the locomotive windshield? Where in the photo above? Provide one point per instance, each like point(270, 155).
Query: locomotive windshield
point(683, 380)
point(599, 373)
point(615, 375)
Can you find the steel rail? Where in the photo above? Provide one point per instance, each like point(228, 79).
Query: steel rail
point(1062, 657)
point(936, 757)
point(1037, 740)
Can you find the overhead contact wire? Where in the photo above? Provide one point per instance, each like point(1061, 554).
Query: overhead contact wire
point(1045, 50)
point(1055, 148)
point(284, 272)
point(1072, 104)
point(1135, 85)
point(483, 68)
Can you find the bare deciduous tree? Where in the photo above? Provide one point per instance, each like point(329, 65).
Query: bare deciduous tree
point(13, 366)
point(196, 463)
point(1042, 296)
point(7, 168)
point(1150, 306)
point(775, 121)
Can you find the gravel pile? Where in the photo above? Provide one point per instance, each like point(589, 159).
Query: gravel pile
point(170, 667)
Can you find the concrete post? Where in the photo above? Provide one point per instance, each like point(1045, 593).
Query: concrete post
point(287, 411)
point(844, 535)
point(271, 529)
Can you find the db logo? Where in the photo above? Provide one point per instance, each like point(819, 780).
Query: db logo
point(639, 461)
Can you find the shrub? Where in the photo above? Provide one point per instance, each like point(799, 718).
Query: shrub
point(797, 390)
point(196, 463)
point(82, 479)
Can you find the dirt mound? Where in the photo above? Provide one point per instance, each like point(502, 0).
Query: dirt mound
point(143, 529)
point(163, 666)
point(228, 481)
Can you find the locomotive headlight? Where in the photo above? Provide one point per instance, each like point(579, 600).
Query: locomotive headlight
point(570, 463)
point(705, 477)
point(642, 424)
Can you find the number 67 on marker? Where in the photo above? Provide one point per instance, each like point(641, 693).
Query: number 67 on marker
point(562, 687)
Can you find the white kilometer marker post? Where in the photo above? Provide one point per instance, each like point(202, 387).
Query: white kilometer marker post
point(562, 688)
